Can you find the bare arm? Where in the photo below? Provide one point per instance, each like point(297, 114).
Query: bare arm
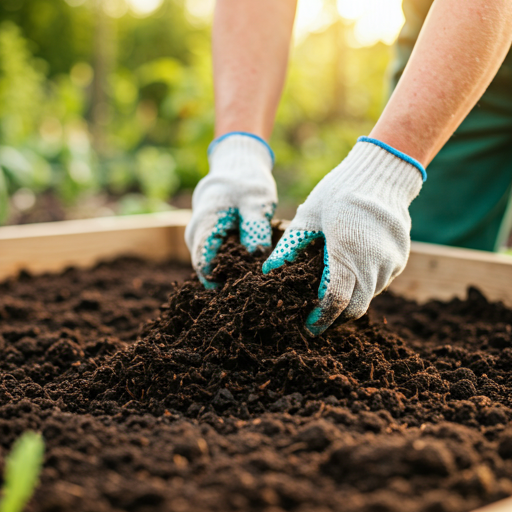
point(251, 40)
point(458, 53)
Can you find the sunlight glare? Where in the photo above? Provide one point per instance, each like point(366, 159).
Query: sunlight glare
point(375, 20)
point(311, 16)
point(144, 7)
point(200, 9)
point(350, 10)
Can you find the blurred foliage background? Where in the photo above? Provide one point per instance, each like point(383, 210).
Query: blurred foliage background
point(106, 106)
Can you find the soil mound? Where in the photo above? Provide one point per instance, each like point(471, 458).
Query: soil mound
point(242, 350)
point(230, 350)
point(154, 396)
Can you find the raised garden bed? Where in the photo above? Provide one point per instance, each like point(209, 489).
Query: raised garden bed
point(224, 404)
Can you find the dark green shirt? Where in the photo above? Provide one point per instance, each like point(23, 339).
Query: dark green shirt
point(466, 200)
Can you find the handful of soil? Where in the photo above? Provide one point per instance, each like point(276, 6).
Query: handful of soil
point(222, 404)
point(209, 346)
point(242, 349)
point(248, 307)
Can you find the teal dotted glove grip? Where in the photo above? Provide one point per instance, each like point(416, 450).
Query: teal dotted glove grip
point(361, 211)
point(288, 250)
point(254, 234)
point(239, 193)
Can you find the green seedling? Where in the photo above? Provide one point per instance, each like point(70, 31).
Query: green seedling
point(22, 469)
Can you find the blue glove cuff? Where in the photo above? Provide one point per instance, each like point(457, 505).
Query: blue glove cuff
point(214, 142)
point(399, 154)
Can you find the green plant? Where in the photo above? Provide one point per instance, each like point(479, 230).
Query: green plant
point(22, 82)
point(150, 141)
point(22, 469)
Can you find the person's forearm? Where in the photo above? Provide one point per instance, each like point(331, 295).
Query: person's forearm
point(459, 51)
point(251, 40)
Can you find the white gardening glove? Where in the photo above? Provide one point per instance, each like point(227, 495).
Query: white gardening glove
point(361, 210)
point(239, 192)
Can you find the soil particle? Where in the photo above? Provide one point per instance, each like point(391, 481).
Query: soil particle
point(157, 396)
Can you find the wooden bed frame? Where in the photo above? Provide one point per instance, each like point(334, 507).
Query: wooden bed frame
point(433, 271)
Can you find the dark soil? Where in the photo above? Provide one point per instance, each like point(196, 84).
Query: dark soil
point(219, 401)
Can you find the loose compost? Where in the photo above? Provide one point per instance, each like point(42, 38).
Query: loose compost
point(154, 394)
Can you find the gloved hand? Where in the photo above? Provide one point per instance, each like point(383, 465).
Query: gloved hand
point(361, 210)
point(238, 192)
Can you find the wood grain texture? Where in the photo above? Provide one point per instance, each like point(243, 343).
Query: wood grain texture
point(436, 271)
point(53, 246)
point(433, 271)
point(499, 506)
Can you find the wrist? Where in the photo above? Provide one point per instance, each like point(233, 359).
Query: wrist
point(372, 169)
point(407, 142)
point(241, 141)
point(396, 152)
point(240, 152)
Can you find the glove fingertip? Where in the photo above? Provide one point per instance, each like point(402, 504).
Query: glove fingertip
point(315, 322)
point(271, 264)
point(210, 244)
point(279, 257)
point(208, 285)
point(356, 309)
point(289, 247)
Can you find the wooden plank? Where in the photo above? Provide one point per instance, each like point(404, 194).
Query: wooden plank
point(50, 247)
point(499, 506)
point(435, 271)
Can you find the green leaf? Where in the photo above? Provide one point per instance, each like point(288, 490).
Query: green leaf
point(22, 470)
point(156, 171)
point(4, 198)
point(16, 165)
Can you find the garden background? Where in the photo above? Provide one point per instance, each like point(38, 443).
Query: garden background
point(106, 106)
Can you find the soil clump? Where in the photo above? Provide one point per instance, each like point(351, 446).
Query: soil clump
point(161, 396)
